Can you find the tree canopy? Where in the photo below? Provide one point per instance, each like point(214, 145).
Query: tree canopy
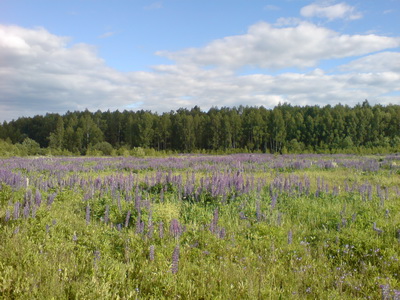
point(283, 128)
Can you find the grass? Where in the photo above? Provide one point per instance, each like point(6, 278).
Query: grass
point(315, 243)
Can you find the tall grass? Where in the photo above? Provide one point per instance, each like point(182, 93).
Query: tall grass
point(200, 227)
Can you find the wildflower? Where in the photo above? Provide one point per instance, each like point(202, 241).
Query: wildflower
point(175, 260)
point(290, 236)
point(16, 210)
point(87, 214)
point(161, 230)
point(151, 253)
point(175, 228)
point(128, 216)
point(106, 214)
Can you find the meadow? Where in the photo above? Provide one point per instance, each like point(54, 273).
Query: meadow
point(242, 226)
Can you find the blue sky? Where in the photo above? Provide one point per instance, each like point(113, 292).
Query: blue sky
point(61, 55)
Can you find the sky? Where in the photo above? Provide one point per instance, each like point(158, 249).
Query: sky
point(67, 55)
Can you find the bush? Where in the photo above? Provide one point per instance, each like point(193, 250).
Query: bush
point(104, 148)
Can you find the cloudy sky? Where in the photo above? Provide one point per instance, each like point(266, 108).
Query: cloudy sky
point(65, 55)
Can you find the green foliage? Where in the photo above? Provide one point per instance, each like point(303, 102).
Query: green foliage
point(308, 246)
point(104, 148)
point(285, 128)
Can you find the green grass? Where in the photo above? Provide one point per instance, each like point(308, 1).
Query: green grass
point(334, 252)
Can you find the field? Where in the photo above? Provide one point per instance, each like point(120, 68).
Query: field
point(246, 226)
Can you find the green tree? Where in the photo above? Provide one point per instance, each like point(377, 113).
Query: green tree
point(56, 137)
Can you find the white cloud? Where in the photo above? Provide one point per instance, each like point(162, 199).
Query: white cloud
point(154, 5)
point(265, 46)
point(379, 62)
point(271, 7)
point(40, 73)
point(331, 12)
point(107, 34)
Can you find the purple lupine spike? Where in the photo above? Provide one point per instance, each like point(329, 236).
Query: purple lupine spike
point(290, 236)
point(139, 225)
point(222, 233)
point(97, 256)
point(107, 214)
point(150, 228)
point(138, 200)
point(161, 230)
point(16, 230)
point(87, 214)
point(128, 197)
point(279, 219)
point(175, 260)
point(274, 198)
point(119, 202)
point(214, 222)
point(38, 198)
point(128, 216)
point(385, 289)
point(151, 252)
point(26, 210)
point(50, 199)
point(16, 210)
point(258, 211)
point(378, 191)
point(175, 228)
point(369, 192)
point(28, 196)
point(354, 217)
point(8, 216)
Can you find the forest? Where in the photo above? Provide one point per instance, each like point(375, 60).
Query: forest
point(363, 128)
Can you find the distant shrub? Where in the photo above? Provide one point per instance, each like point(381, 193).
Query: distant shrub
point(104, 148)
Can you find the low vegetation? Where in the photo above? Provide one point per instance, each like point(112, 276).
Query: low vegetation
point(244, 226)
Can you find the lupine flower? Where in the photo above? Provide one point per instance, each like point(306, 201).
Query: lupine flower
point(87, 214)
point(150, 229)
point(139, 225)
point(38, 198)
point(214, 222)
point(175, 260)
point(97, 256)
point(279, 219)
point(385, 289)
point(50, 199)
point(16, 210)
point(161, 230)
point(376, 229)
point(16, 230)
point(8, 216)
point(26, 210)
point(128, 216)
point(106, 214)
point(175, 228)
point(274, 198)
point(151, 253)
point(290, 236)
point(222, 233)
point(258, 211)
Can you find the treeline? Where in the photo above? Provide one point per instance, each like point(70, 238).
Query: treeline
point(283, 129)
